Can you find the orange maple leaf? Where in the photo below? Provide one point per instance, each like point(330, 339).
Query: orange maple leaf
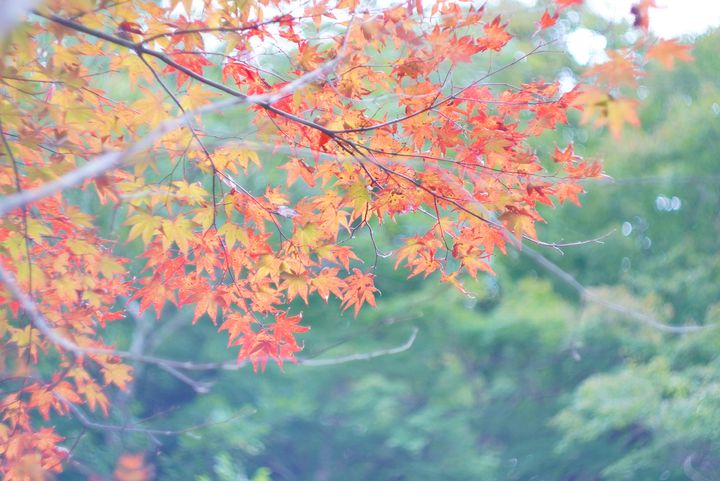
point(668, 51)
point(546, 21)
point(133, 467)
point(194, 62)
point(607, 110)
point(360, 289)
point(495, 36)
point(567, 3)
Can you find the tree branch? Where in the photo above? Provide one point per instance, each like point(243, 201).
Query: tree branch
point(362, 356)
point(169, 365)
point(103, 163)
point(589, 296)
point(89, 424)
point(141, 49)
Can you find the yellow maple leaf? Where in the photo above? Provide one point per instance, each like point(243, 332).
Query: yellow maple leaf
point(179, 231)
point(118, 374)
point(144, 225)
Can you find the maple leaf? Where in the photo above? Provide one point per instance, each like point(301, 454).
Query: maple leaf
point(473, 264)
point(237, 324)
point(564, 156)
point(298, 168)
point(495, 36)
point(194, 62)
point(94, 396)
point(286, 327)
point(569, 191)
point(419, 254)
point(617, 71)
point(296, 285)
point(155, 293)
point(258, 347)
point(561, 4)
point(520, 223)
point(179, 231)
point(640, 11)
point(316, 11)
point(337, 254)
point(327, 281)
point(43, 400)
point(133, 467)
point(118, 374)
point(546, 21)
point(308, 57)
point(360, 289)
point(608, 110)
point(144, 225)
point(668, 51)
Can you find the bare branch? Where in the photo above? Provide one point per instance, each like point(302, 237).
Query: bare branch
point(589, 296)
point(88, 423)
point(366, 356)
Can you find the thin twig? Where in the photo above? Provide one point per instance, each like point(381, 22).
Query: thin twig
point(362, 356)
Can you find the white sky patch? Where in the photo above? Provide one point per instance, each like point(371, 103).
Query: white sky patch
point(586, 46)
point(672, 18)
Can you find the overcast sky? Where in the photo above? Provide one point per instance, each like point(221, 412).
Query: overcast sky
point(672, 19)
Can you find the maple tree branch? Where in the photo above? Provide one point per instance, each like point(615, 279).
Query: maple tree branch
point(190, 31)
point(366, 356)
point(138, 48)
point(103, 163)
point(198, 386)
point(90, 424)
point(263, 101)
point(92, 169)
point(171, 366)
point(31, 309)
point(19, 190)
point(449, 98)
point(589, 296)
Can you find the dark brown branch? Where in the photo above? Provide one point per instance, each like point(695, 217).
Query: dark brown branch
point(19, 190)
point(111, 160)
point(140, 49)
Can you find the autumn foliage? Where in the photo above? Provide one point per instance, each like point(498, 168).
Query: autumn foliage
point(171, 113)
